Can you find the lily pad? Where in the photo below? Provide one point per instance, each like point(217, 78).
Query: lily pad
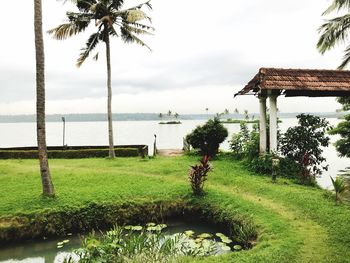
point(226, 240)
point(237, 247)
point(225, 248)
point(150, 224)
point(136, 228)
point(205, 235)
point(189, 233)
point(65, 241)
point(128, 227)
point(60, 246)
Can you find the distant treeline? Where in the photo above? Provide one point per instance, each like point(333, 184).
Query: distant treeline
point(143, 117)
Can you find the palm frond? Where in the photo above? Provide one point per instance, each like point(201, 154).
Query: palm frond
point(64, 31)
point(136, 30)
point(332, 32)
point(346, 58)
point(337, 5)
point(129, 37)
point(90, 45)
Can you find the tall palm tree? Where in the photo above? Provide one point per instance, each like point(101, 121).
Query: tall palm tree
point(246, 115)
point(110, 21)
point(336, 30)
point(48, 188)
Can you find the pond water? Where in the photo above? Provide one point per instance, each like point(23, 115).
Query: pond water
point(142, 132)
point(40, 251)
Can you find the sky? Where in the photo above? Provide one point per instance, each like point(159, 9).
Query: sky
point(203, 52)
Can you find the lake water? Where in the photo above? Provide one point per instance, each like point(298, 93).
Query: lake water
point(140, 132)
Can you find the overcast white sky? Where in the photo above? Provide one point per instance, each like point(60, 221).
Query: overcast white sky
point(203, 52)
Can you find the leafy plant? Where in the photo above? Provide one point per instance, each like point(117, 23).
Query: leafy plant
point(132, 244)
point(339, 187)
point(303, 144)
point(208, 137)
point(198, 175)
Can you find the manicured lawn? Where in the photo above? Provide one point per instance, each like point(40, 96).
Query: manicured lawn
point(296, 223)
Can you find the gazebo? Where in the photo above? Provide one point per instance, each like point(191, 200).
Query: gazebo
point(273, 82)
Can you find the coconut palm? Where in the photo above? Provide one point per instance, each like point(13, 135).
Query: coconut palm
point(47, 185)
point(176, 115)
point(246, 115)
point(236, 111)
point(110, 21)
point(169, 113)
point(160, 115)
point(336, 30)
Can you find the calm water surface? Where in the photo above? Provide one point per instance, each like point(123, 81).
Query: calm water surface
point(140, 132)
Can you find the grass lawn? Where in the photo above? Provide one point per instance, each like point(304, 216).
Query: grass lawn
point(296, 223)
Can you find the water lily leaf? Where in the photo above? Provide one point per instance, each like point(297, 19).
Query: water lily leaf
point(69, 234)
point(151, 228)
point(162, 226)
point(226, 240)
point(189, 233)
point(225, 248)
point(65, 241)
point(136, 228)
point(150, 224)
point(237, 247)
point(128, 227)
point(60, 246)
point(220, 235)
point(198, 240)
point(205, 235)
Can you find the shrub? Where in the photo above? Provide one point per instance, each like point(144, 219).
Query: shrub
point(198, 175)
point(68, 154)
point(207, 138)
point(303, 144)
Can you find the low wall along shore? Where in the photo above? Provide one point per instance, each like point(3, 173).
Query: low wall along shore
point(72, 152)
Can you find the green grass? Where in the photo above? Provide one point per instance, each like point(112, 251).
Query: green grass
point(296, 223)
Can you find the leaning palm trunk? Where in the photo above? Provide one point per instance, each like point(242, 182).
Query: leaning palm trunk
point(109, 99)
point(48, 189)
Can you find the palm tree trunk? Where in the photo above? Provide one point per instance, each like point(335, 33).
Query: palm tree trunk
point(109, 99)
point(48, 189)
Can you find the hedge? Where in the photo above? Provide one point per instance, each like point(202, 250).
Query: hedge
point(69, 154)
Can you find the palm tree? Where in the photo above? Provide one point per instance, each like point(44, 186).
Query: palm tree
point(207, 109)
point(48, 188)
point(160, 115)
point(336, 30)
point(246, 115)
point(108, 18)
point(236, 111)
point(176, 115)
point(169, 113)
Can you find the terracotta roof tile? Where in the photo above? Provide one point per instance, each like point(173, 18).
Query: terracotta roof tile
point(303, 80)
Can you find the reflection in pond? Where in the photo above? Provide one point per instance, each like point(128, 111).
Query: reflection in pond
point(55, 250)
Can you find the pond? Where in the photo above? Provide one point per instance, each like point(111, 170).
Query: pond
point(55, 250)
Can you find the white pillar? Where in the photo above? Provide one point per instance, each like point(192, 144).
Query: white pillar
point(262, 125)
point(273, 123)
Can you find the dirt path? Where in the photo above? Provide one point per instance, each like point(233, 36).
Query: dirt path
point(170, 152)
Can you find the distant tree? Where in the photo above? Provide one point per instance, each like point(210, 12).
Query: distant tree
point(343, 130)
point(253, 117)
point(303, 144)
point(226, 112)
point(246, 115)
point(108, 18)
point(176, 115)
point(336, 30)
point(206, 109)
point(169, 113)
point(47, 185)
point(160, 115)
point(236, 111)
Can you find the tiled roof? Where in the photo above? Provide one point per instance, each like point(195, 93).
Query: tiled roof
point(299, 80)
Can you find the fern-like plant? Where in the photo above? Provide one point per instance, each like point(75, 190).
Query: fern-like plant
point(198, 175)
point(339, 187)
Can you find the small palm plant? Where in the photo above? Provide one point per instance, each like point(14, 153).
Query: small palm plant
point(339, 187)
